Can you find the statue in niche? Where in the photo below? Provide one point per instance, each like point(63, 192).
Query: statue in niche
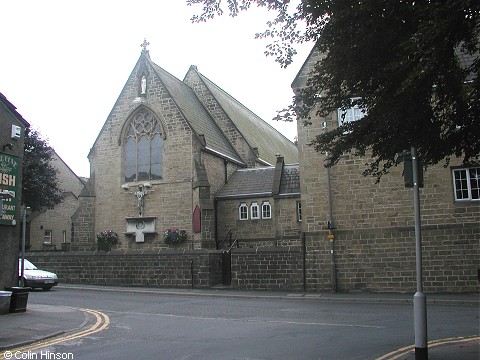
point(140, 194)
point(144, 85)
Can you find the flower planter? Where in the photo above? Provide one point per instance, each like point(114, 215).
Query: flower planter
point(105, 240)
point(174, 236)
point(19, 299)
point(104, 246)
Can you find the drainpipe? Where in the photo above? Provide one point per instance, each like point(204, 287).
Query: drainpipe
point(225, 163)
point(304, 245)
point(331, 235)
point(215, 210)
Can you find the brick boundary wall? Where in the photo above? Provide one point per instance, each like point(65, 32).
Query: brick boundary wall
point(366, 260)
point(383, 259)
point(118, 268)
point(273, 268)
point(268, 268)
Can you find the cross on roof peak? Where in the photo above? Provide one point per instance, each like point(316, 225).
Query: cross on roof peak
point(144, 45)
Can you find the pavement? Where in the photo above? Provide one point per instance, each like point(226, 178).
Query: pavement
point(43, 322)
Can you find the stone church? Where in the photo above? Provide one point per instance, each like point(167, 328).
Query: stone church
point(167, 147)
point(186, 155)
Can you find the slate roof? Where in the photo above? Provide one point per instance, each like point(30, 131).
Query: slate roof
point(290, 181)
point(258, 133)
point(248, 182)
point(196, 115)
point(13, 109)
point(253, 182)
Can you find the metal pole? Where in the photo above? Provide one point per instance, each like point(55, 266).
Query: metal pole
point(24, 233)
point(419, 299)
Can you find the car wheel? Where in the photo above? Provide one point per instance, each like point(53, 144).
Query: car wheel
point(46, 288)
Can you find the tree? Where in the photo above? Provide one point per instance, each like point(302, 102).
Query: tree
point(40, 188)
point(411, 66)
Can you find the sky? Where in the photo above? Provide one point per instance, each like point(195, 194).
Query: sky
point(64, 63)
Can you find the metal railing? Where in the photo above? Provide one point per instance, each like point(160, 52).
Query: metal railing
point(227, 236)
point(232, 245)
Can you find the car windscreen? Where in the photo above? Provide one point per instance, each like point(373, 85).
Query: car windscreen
point(27, 265)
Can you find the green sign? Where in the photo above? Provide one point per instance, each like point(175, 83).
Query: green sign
point(9, 167)
point(408, 172)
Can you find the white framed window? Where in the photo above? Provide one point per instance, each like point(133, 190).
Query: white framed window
point(466, 184)
point(299, 211)
point(349, 115)
point(243, 211)
point(266, 210)
point(254, 211)
point(64, 236)
point(47, 237)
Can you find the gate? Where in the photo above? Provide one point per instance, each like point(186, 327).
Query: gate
point(226, 268)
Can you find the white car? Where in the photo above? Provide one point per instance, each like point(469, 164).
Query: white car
point(36, 278)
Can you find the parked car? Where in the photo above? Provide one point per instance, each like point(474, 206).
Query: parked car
point(36, 278)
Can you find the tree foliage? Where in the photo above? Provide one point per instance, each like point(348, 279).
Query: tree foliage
point(40, 187)
point(411, 66)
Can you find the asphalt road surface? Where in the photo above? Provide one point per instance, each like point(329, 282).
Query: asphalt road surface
point(159, 326)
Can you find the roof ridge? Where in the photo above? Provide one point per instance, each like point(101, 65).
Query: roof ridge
point(170, 83)
point(242, 105)
point(257, 168)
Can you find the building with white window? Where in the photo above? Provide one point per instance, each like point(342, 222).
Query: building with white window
point(162, 156)
point(364, 232)
point(182, 171)
point(51, 229)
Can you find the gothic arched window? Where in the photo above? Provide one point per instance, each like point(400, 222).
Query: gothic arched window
point(143, 148)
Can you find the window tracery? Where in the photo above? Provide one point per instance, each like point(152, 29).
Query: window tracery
point(143, 148)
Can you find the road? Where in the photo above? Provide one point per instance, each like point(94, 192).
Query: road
point(160, 326)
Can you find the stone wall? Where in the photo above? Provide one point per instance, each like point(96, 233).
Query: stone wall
point(84, 219)
point(373, 223)
point(383, 260)
point(170, 199)
point(10, 235)
point(176, 269)
point(57, 220)
point(272, 268)
point(364, 261)
point(281, 229)
point(268, 268)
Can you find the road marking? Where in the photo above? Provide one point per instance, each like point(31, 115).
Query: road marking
point(101, 323)
point(253, 320)
point(400, 353)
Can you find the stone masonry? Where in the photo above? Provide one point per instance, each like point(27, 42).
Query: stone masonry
point(372, 225)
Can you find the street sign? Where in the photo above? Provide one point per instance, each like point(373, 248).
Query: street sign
point(9, 169)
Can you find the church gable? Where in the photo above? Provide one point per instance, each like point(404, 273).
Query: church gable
point(229, 129)
point(67, 179)
point(161, 155)
point(197, 116)
point(144, 147)
point(242, 126)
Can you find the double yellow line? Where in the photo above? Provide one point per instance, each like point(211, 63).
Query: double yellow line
point(101, 322)
point(400, 353)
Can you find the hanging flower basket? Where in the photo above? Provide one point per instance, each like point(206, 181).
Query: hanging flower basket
point(106, 239)
point(174, 236)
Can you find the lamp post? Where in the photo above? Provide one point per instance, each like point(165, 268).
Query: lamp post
point(419, 299)
point(24, 232)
